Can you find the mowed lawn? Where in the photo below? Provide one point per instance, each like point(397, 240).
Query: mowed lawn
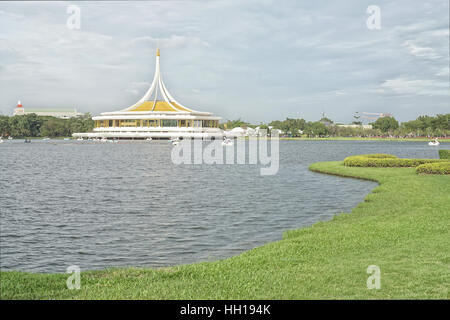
point(403, 227)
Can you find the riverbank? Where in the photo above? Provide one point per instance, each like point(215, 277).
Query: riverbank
point(402, 226)
point(442, 140)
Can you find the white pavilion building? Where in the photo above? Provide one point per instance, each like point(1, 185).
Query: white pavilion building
point(156, 115)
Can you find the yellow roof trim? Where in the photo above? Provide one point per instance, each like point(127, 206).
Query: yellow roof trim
point(160, 106)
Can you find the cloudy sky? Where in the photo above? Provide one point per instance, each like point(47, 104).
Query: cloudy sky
point(254, 60)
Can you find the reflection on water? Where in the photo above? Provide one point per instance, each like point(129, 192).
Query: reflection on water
point(99, 205)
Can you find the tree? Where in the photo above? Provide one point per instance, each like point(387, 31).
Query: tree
point(290, 126)
point(385, 124)
point(316, 128)
point(230, 124)
point(4, 126)
point(326, 121)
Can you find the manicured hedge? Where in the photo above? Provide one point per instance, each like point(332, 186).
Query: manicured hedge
point(444, 154)
point(434, 168)
point(378, 156)
point(385, 160)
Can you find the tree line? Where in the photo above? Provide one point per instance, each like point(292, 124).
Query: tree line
point(423, 126)
point(32, 125)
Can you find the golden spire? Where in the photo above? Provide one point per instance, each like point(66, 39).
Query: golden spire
point(157, 52)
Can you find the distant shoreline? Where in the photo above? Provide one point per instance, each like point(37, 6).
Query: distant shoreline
point(368, 139)
point(442, 140)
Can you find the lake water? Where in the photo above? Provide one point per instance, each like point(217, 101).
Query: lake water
point(99, 205)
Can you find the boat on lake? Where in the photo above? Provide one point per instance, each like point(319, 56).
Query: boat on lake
point(434, 143)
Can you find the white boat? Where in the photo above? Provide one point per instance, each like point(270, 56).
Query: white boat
point(149, 139)
point(80, 139)
point(104, 139)
point(434, 143)
point(1, 140)
point(46, 138)
point(227, 142)
point(175, 142)
point(10, 138)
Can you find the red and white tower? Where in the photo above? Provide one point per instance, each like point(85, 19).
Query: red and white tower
point(19, 110)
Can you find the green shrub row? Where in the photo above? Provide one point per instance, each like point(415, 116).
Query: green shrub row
point(434, 168)
point(444, 154)
point(378, 156)
point(390, 161)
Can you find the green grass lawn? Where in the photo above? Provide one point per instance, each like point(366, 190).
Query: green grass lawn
point(403, 227)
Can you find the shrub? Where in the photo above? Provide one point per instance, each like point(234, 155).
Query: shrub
point(444, 154)
point(378, 156)
point(385, 160)
point(434, 168)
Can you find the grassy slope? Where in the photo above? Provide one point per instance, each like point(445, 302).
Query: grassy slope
point(403, 226)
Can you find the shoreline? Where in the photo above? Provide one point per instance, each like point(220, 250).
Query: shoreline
point(402, 225)
point(442, 140)
point(447, 140)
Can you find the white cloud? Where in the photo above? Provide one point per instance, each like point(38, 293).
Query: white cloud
point(418, 51)
point(415, 86)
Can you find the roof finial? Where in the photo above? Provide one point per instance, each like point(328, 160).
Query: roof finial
point(157, 52)
point(157, 47)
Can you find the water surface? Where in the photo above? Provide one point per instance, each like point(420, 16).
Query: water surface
point(99, 205)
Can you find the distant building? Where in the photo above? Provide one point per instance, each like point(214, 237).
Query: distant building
point(58, 113)
point(364, 126)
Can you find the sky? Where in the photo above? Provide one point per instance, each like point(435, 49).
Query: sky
point(254, 60)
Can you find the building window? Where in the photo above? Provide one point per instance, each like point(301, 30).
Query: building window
point(198, 123)
point(129, 123)
point(169, 123)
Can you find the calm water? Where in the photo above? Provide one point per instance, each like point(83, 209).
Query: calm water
point(98, 205)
